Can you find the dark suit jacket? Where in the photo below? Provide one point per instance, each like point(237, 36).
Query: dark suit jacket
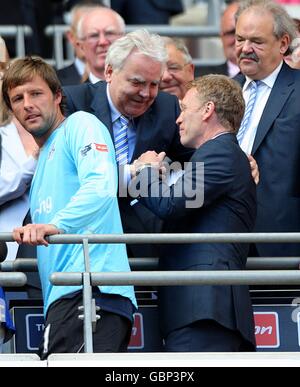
point(69, 76)
point(205, 70)
point(147, 11)
point(3, 251)
point(156, 130)
point(229, 207)
point(277, 152)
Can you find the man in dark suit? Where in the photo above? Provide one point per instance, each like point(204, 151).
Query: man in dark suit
point(227, 35)
point(147, 11)
point(220, 198)
point(93, 29)
point(96, 31)
point(179, 70)
point(272, 134)
point(131, 90)
point(3, 251)
point(73, 74)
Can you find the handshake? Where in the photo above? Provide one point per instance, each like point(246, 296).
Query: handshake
point(150, 159)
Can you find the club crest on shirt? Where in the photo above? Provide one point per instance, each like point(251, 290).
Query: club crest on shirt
point(94, 146)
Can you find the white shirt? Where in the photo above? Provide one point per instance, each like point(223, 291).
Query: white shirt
point(263, 94)
point(93, 79)
point(233, 69)
point(16, 172)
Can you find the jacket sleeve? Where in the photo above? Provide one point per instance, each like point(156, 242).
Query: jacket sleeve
point(14, 183)
point(207, 177)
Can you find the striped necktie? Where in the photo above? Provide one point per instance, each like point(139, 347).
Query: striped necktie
point(248, 111)
point(121, 142)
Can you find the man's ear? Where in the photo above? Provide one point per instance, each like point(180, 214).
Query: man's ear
point(191, 70)
point(209, 109)
point(108, 73)
point(285, 42)
point(58, 96)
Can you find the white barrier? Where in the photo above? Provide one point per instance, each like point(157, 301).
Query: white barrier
point(21, 361)
point(180, 360)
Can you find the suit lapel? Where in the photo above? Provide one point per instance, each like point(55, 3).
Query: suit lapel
point(100, 107)
point(74, 76)
point(282, 89)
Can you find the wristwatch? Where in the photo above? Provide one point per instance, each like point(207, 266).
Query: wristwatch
point(140, 168)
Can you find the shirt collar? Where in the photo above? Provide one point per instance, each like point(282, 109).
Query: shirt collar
point(233, 69)
point(80, 66)
point(93, 79)
point(115, 114)
point(269, 80)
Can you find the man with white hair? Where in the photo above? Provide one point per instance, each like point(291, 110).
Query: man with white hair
point(96, 31)
point(73, 74)
point(134, 68)
point(179, 70)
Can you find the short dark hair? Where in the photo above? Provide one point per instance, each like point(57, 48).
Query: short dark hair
point(20, 71)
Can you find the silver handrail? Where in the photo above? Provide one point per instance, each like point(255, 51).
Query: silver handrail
point(19, 32)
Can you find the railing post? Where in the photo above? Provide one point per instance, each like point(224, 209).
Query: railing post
point(89, 306)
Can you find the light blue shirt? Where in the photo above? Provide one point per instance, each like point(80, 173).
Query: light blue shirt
point(75, 189)
point(131, 132)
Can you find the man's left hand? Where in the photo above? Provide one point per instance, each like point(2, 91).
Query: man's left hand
point(254, 169)
point(34, 234)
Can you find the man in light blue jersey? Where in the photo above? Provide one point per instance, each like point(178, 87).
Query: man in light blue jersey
point(74, 190)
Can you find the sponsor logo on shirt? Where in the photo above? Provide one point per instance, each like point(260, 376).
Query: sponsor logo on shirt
point(94, 146)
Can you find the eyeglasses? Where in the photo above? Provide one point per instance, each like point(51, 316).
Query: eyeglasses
point(108, 35)
point(175, 68)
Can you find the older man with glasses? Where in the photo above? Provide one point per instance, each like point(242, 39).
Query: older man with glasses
point(179, 70)
point(97, 30)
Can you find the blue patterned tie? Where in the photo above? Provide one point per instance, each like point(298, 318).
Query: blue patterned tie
point(121, 142)
point(248, 111)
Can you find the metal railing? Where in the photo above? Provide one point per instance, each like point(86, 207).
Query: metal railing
point(169, 238)
point(151, 264)
point(13, 279)
point(88, 279)
point(19, 33)
point(57, 33)
point(212, 29)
